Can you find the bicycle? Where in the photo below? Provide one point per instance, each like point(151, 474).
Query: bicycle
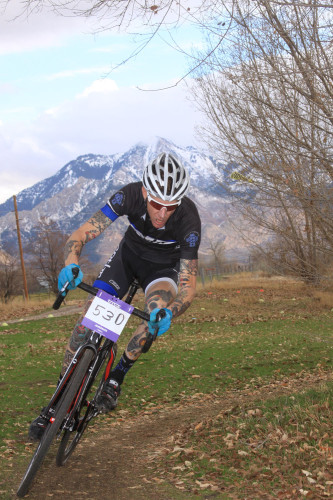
point(69, 410)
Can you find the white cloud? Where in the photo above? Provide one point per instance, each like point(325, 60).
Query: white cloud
point(8, 88)
point(49, 117)
point(103, 85)
point(19, 111)
point(111, 49)
point(105, 120)
point(77, 72)
point(52, 111)
point(32, 145)
point(22, 31)
point(11, 184)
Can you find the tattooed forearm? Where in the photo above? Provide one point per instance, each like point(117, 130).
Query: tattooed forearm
point(156, 298)
point(187, 284)
point(179, 307)
point(73, 247)
point(189, 267)
point(87, 232)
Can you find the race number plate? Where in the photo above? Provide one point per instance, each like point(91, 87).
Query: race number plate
point(107, 315)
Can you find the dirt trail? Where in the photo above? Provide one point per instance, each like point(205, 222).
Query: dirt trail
point(114, 460)
point(64, 311)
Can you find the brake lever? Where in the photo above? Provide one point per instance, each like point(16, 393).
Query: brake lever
point(60, 297)
point(152, 336)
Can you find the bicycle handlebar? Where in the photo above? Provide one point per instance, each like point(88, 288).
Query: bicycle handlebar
point(93, 291)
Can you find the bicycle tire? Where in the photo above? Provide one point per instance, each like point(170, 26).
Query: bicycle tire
point(70, 439)
point(52, 429)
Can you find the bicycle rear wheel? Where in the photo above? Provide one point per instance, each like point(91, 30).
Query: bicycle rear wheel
point(60, 413)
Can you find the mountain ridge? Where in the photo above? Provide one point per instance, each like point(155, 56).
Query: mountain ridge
point(83, 185)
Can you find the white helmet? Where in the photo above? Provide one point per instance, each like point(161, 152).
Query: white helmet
point(166, 178)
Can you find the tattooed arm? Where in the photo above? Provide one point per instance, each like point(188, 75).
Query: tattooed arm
point(88, 231)
point(187, 283)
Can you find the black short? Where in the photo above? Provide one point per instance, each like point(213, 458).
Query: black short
point(124, 265)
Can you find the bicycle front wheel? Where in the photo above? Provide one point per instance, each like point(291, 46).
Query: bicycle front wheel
point(70, 439)
point(62, 408)
point(83, 415)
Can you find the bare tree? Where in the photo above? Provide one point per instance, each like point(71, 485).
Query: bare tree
point(220, 22)
point(124, 14)
point(9, 274)
point(141, 19)
point(268, 100)
point(217, 247)
point(47, 250)
point(265, 84)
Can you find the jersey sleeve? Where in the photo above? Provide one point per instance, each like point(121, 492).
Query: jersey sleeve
point(191, 234)
point(107, 210)
point(121, 202)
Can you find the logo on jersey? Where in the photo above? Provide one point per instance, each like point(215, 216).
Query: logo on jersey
point(114, 284)
point(192, 239)
point(153, 240)
point(118, 199)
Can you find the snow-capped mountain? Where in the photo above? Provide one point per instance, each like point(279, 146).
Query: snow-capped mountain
point(83, 186)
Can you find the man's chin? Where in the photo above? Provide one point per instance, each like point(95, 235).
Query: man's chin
point(158, 225)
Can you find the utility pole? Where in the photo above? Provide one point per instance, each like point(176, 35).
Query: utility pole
point(26, 294)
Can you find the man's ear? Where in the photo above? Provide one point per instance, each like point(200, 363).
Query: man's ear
point(144, 193)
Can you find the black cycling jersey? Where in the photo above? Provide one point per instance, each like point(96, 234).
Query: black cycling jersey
point(178, 239)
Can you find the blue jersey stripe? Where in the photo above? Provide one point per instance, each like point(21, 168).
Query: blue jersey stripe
point(105, 286)
point(107, 210)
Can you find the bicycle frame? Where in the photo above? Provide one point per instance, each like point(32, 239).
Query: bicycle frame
point(66, 407)
point(101, 351)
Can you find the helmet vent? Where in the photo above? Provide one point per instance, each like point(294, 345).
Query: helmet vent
point(166, 178)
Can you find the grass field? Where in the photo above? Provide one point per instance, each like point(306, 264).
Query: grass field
point(239, 337)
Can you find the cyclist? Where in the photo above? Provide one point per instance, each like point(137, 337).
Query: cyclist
point(159, 249)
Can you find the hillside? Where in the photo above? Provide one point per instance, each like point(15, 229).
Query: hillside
point(82, 187)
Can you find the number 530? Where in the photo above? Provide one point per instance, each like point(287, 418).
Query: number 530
point(97, 311)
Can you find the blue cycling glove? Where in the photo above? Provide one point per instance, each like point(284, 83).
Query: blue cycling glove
point(66, 274)
point(164, 323)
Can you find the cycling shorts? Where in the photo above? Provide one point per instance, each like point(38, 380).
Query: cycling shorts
point(124, 265)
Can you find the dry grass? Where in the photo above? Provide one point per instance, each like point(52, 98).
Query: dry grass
point(325, 297)
point(249, 284)
point(250, 280)
point(18, 307)
point(247, 289)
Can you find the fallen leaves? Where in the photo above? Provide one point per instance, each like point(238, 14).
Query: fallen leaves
point(199, 427)
point(263, 452)
point(254, 413)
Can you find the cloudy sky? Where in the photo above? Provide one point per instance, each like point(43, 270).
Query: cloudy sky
point(60, 96)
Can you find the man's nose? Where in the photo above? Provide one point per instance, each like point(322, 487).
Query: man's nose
point(163, 211)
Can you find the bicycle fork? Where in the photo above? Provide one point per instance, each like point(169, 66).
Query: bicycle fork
point(101, 353)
